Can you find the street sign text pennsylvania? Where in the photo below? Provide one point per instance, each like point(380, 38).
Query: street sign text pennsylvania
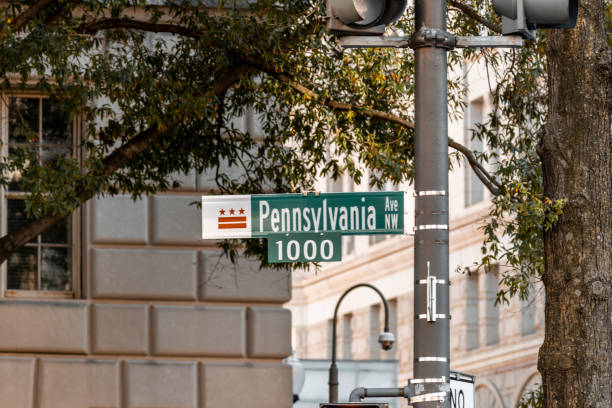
point(300, 223)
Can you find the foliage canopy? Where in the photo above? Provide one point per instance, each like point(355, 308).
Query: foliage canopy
point(157, 87)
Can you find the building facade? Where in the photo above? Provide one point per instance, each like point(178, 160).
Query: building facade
point(497, 344)
point(124, 305)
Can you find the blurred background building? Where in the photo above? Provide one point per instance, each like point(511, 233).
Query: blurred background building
point(497, 344)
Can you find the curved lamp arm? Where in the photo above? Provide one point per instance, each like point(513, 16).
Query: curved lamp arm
point(333, 369)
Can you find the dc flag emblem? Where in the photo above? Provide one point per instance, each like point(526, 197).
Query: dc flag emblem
point(226, 217)
point(235, 219)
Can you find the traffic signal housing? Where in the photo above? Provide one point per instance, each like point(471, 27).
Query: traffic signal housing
point(362, 17)
point(525, 16)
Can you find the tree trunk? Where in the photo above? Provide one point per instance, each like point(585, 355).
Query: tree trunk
point(576, 358)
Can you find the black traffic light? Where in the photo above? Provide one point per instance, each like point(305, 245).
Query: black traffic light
point(354, 405)
point(362, 17)
point(525, 16)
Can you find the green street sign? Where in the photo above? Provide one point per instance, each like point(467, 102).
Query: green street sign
point(263, 215)
point(304, 247)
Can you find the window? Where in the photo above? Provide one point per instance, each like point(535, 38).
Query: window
point(474, 189)
point(481, 315)
point(335, 185)
point(376, 327)
point(489, 312)
point(393, 328)
point(46, 263)
point(374, 331)
point(347, 336)
point(472, 317)
point(528, 313)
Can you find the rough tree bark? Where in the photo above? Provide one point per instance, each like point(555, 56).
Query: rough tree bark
point(576, 358)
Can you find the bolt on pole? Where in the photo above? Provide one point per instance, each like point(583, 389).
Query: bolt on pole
point(431, 257)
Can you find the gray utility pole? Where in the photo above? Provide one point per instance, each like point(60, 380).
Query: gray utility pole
point(429, 387)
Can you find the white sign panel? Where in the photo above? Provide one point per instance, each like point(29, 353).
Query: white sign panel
point(226, 216)
point(462, 393)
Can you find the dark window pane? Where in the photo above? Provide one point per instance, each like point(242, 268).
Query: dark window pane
point(56, 269)
point(57, 126)
point(21, 269)
point(16, 215)
point(23, 119)
point(51, 154)
point(58, 233)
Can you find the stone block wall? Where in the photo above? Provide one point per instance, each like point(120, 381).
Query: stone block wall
point(162, 321)
point(53, 382)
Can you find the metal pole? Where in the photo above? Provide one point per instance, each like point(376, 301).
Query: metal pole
point(333, 368)
point(431, 263)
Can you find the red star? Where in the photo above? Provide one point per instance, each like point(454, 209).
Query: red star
point(222, 212)
point(241, 211)
point(232, 211)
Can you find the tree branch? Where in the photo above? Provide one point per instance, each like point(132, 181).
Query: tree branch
point(112, 23)
point(148, 138)
point(28, 15)
point(129, 23)
point(487, 179)
point(468, 11)
point(330, 103)
point(116, 160)
point(63, 7)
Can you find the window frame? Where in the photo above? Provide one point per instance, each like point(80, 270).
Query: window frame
point(75, 238)
point(469, 177)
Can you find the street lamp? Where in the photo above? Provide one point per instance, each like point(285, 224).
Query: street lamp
point(386, 338)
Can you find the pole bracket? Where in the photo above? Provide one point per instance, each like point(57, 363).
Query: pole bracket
point(431, 397)
point(432, 37)
point(428, 390)
point(429, 37)
point(431, 296)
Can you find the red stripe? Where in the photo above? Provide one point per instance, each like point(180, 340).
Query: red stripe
point(232, 219)
point(234, 225)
